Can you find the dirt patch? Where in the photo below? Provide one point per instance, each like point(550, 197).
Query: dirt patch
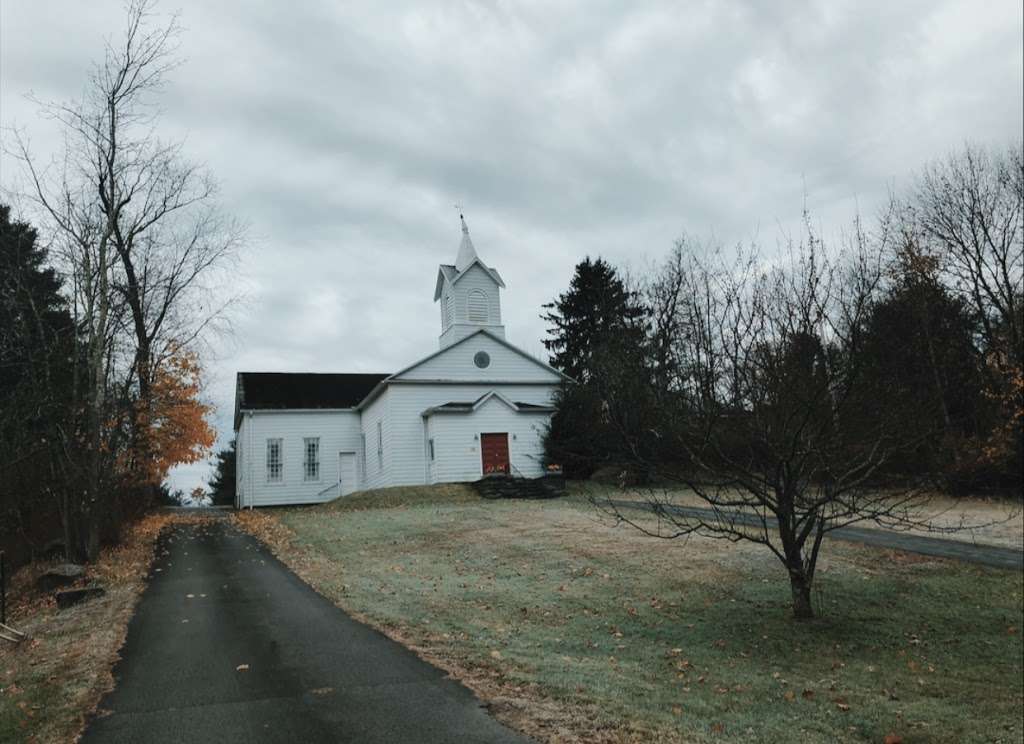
point(50, 683)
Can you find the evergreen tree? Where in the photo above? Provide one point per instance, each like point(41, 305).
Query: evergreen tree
point(597, 337)
point(596, 309)
point(222, 484)
point(921, 361)
point(37, 350)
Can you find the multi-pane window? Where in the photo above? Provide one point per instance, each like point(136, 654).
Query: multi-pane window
point(311, 458)
point(275, 465)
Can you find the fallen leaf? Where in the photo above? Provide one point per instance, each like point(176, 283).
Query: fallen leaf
point(790, 696)
point(677, 711)
point(893, 739)
point(807, 694)
point(242, 668)
point(495, 654)
point(843, 706)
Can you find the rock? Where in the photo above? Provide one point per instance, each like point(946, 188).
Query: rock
point(64, 574)
point(75, 596)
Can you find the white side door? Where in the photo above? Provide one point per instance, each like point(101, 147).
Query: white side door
point(347, 478)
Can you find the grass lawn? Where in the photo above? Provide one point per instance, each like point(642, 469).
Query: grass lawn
point(49, 683)
point(574, 629)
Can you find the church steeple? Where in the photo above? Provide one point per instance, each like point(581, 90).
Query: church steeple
point(469, 292)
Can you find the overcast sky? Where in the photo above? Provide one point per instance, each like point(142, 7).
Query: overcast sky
point(344, 133)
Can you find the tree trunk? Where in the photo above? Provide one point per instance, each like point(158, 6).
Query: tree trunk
point(800, 586)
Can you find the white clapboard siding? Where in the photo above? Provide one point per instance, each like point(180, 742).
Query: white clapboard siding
point(457, 441)
point(377, 469)
point(456, 363)
point(406, 450)
point(338, 432)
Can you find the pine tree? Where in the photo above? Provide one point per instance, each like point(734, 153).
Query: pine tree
point(597, 337)
point(596, 309)
point(37, 352)
point(222, 484)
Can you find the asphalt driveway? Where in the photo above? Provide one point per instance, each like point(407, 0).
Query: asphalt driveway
point(960, 550)
point(228, 645)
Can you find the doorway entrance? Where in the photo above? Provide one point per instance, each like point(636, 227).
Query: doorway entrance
point(347, 476)
point(494, 453)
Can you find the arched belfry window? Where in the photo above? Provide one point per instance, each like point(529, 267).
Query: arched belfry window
point(477, 306)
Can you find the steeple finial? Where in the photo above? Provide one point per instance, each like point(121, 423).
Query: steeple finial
point(462, 217)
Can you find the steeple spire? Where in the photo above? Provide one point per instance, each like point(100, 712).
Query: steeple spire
point(467, 253)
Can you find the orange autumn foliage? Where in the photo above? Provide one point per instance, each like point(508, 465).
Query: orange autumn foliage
point(173, 427)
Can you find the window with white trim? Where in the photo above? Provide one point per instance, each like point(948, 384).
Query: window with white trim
point(380, 444)
point(275, 463)
point(311, 458)
point(477, 306)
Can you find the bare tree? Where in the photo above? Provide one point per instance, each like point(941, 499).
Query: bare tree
point(969, 209)
point(780, 442)
point(139, 229)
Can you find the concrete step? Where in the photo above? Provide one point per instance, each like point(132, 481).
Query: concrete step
point(506, 487)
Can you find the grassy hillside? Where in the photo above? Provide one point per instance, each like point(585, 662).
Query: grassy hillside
point(575, 629)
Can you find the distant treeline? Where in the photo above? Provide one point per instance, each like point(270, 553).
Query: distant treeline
point(893, 356)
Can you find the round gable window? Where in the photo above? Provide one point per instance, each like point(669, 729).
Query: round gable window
point(482, 359)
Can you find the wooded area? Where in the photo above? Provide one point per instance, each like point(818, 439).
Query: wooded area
point(817, 386)
point(105, 304)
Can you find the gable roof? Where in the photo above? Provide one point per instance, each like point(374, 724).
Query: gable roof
point(300, 390)
point(470, 406)
point(474, 334)
point(448, 273)
point(397, 375)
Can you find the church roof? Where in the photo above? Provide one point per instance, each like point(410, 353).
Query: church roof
point(300, 390)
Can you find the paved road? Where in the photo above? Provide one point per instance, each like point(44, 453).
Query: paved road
point(989, 555)
point(218, 600)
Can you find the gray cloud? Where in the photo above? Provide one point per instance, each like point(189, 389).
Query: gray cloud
point(344, 133)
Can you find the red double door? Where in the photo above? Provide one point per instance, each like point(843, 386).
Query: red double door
point(494, 453)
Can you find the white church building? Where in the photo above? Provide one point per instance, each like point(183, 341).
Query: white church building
point(477, 406)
